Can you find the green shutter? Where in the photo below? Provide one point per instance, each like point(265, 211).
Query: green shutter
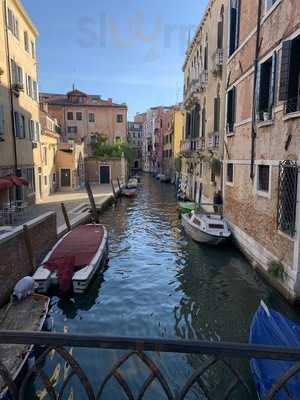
point(285, 70)
point(216, 114)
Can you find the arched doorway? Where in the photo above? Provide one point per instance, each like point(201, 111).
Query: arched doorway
point(136, 164)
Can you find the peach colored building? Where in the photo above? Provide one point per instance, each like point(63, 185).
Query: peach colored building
point(84, 117)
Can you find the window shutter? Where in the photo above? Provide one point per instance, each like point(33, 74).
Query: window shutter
point(237, 28)
point(273, 82)
point(216, 114)
point(285, 70)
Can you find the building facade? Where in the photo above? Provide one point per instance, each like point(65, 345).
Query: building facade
point(83, 117)
point(48, 179)
point(204, 105)
point(136, 139)
point(19, 106)
point(261, 171)
point(156, 123)
point(172, 138)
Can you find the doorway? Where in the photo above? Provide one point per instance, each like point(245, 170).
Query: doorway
point(104, 174)
point(65, 178)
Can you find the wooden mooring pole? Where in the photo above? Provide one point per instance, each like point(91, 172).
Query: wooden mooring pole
point(92, 202)
point(114, 191)
point(29, 247)
point(66, 216)
point(120, 189)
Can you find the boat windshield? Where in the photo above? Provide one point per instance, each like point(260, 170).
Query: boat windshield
point(196, 221)
point(216, 226)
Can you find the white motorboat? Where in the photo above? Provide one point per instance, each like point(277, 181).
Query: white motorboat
point(206, 228)
point(74, 260)
point(132, 183)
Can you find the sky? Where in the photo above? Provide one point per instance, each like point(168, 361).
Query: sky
point(131, 51)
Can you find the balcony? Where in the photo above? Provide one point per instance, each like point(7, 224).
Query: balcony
point(213, 141)
point(185, 146)
point(218, 61)
point(217, 367)
point(203, 79)
point(199, 144)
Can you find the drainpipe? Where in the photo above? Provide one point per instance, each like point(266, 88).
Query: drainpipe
point(11, 93)
point(253, 128)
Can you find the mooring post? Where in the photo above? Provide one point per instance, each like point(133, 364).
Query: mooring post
point(92, 202)
point(114, 192)
point(66, 216)
point(29, 248)
point(120, 189)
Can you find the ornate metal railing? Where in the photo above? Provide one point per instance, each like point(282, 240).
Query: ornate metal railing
point(292, 105)
point(143, 350)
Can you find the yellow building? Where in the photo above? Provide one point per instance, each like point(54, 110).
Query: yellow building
point(19, 108)
point(172, 137)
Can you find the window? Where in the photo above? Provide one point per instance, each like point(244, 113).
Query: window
point(203, 120)
point(37, 131)
point(33, 49)
point(263, 178)
point(23, 127)
point(54, 178)
point(94, 139)
point(220, 29)
point(229, 177)
point(231, 103)
point(216, 114)
point(2, 120)
point(17, 124)
point(12, 23)
point(289, 88)
point(30, 179)
point(16, 73)
point(29, 86)
point(212, 176)
point(266, 78)
point(91, 117)
point(287, 196)
point(79, 116)
point(45, 180)
point(32, 130)
point(72, 129)
point(70, 116)
point(26, 41)
point(269, 3)
point(201, 169)
point(234, 26)
point(34, 90)
point(119, 118)
point(45, 155)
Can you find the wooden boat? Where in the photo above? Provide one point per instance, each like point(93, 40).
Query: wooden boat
point(206, 228)
point(186, 207)
point(74, 260)
point(132, 183)
point(137, 177)
point(28, 315)
point(270, 328)
point(129, 192)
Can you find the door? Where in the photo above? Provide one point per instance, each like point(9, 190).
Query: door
point(65, 178)
point(104, 174)
point(40, 186)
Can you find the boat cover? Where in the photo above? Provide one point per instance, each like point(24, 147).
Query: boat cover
point(75, 252)
point(271, 328)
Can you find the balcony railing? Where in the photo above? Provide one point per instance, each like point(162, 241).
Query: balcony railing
point(185, 146)
point(213, 141)
point(218, 60)
point(216, 366)
point(204, 78)
point(292, 105)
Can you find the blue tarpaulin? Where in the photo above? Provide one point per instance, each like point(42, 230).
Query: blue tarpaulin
point(271, 328)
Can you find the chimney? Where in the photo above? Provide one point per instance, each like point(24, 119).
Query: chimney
point(109, 100)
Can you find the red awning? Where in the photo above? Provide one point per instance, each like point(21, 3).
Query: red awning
point(5, 184)
point(16, 180)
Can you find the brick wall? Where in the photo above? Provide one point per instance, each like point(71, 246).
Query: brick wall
point(14, 259)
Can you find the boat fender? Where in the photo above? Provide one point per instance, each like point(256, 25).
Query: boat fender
point(31, 361)
point(24, 288)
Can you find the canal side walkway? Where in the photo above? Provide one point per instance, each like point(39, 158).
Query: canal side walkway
point(77, 205)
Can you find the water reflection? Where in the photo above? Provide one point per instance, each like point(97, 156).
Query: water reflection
point(159, 283)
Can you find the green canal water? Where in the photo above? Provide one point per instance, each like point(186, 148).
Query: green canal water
point(160, 284)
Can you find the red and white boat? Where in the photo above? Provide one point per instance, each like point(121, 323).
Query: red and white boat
point(74, 260)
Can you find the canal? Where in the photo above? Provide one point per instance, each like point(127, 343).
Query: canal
point(160, 284)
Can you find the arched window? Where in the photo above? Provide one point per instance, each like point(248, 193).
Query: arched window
point(220, 29)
